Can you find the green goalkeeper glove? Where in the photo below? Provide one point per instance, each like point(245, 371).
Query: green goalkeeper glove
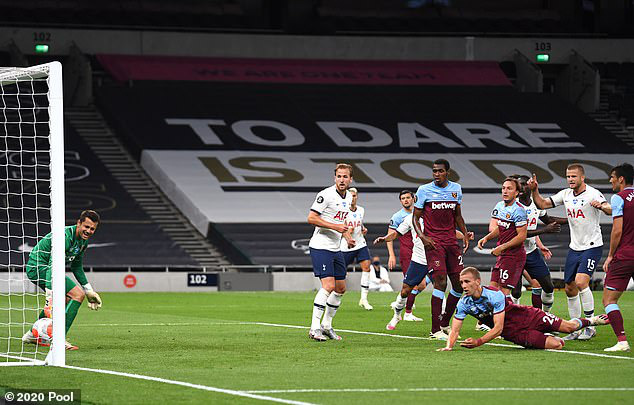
point(94, 300)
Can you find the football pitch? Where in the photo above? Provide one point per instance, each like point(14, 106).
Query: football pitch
point(253, 348)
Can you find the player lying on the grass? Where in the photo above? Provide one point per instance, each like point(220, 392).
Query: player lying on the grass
point(619, 266)
point(523, 325)
point(415, 276)
point(38, 270)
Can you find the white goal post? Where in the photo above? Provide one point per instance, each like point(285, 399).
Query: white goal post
point(31, 206)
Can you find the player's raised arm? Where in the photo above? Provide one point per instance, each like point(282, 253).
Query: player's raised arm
point(541, 202)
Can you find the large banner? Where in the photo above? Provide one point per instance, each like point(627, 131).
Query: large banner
point(230, 152)
point(351, 118)
point(435, 73)
point(242, 186)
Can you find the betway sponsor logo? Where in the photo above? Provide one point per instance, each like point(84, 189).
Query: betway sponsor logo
point(504, 224)
point(443, 206)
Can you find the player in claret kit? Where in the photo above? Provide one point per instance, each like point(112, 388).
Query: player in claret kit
point(359, 251)
point(417, 271)
point(510, 220)
point(38, 270)
point(438, 203)
point(584, 205)
point(536, 267)
point(406, 245)
point(328, 214)
point(523, 325)
point(619, 266)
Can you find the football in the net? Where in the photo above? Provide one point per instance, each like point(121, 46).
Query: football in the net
point(43, 331)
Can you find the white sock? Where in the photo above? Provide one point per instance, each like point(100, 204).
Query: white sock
point(319, 306)
point(400, 304)
point(365, 284)
point(574, 307)
point(332, 304)
point(587, 302)
point(547, 301)
point(516, 301)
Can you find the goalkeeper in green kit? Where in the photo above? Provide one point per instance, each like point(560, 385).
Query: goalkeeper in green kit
point(38, 270)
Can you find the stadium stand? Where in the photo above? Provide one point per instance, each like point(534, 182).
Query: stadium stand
point(258, 139)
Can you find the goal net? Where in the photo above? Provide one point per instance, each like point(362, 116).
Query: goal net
point(31, 206)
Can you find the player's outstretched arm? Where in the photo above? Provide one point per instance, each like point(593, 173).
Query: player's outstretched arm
point(391, 235)
point(498, 326)
point(552, 227)
point(603, 206)
point(491, 235)
point(456, 325)
point(547, 219)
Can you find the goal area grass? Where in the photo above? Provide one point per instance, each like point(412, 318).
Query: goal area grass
point(253, 347)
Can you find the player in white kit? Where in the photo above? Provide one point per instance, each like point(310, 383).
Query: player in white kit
point(417, 270)
point(360, 251)
point(584, 205)
point(328, 214)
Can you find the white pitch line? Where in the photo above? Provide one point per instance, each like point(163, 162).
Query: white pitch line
point(160, 324)
point(190, 385)
point(279, 325)
point(426, 338)
point(431, 389)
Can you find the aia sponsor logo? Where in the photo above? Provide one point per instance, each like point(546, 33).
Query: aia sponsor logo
point(443, 206)
point(341, 215)
point(532, 222)
point(575, 213)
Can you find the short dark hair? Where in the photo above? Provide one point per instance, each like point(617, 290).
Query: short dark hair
point(90, 214)
point(624, 170)
point(514, 181)
point(403, 192)
point(471, 270)
point(443, 162)
point(520, 177)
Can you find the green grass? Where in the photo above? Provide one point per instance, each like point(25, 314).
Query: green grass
point(195, 346)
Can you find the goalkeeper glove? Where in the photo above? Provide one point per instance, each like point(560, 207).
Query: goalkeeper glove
point(94, 300)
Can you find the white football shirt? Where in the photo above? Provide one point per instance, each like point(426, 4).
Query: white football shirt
point(583, 219)
point(532, 214)
point(355, 222)
point(334, 209)
point(418, 252)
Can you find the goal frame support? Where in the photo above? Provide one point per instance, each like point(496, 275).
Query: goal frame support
point(53, 73)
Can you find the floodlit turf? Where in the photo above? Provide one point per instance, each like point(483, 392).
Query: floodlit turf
point(197, 338)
